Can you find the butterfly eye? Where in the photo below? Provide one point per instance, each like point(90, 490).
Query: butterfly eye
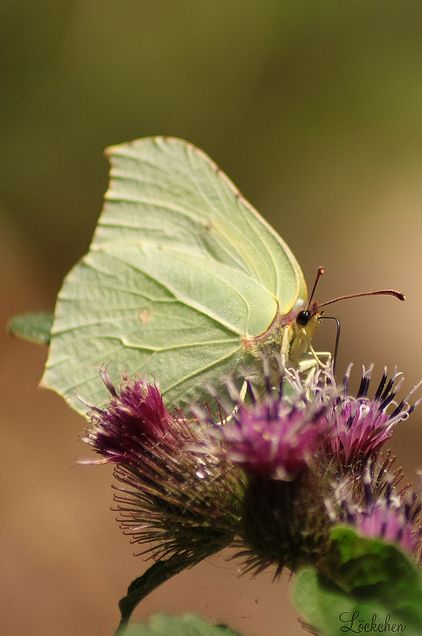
point(303, 317)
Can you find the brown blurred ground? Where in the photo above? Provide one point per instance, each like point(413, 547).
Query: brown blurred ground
point(314, 110)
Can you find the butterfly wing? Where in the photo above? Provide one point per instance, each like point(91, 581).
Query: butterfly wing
point(180, 270)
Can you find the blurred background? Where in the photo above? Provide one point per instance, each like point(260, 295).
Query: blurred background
point(314, 109)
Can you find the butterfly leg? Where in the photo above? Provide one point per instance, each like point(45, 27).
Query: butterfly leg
point(317, 356)
point(308, 363)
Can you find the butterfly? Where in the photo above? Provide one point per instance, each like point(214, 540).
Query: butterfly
point(183, 282)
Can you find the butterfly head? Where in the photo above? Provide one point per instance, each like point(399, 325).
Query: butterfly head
point(307, 318)
point(304, 316)
point(304, 319)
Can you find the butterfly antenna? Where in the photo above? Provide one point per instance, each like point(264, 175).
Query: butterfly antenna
point(337, 321)
point(378, 292)
point(320, 272)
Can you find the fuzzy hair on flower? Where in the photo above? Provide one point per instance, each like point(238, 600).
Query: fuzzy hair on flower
point(272, 430)
point(359, 425)
point(295, 437)
point(169, 497)
point(254, 467)
point(380, 507)
point(133, 421)
point(294, 421)
point(271, 436)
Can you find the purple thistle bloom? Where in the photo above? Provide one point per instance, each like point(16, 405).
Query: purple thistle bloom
point(277, 433)
point(173, 499)
point(273, 436)
point(388, 523)
point(359, 426)
point(384, 513)
point(258, 478)
point(134, 419)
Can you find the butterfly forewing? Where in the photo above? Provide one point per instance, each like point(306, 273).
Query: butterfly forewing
point(168, 191)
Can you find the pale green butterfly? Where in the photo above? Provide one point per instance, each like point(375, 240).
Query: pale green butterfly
point(183, 281)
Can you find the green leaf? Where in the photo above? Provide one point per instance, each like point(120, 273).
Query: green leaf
point(35, 327)
point(186, 625)
point(372, 579)
point(364, 562)
point(181, 273)
point(157, 574)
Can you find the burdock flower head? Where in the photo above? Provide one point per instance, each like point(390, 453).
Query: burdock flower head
point(358, 426)
point(295, 438)
point(132, 423)
point(174, 499)
point(354, 427)
point(271, 436)
point(273, 431)
point(380, 508)
point(254, 471)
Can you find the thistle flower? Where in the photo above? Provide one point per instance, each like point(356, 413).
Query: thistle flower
point(358, 426)
point(272, 436)
point(259, 476)
point(284, 523)
point(279, 431)
point(170, 497)
point(273, 433)
point(133, 421)
point(382, 510)
point(295, 442)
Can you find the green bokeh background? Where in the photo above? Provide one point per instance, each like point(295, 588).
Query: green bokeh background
point(314, 109)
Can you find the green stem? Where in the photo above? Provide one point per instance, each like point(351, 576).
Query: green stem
point(157, 574)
